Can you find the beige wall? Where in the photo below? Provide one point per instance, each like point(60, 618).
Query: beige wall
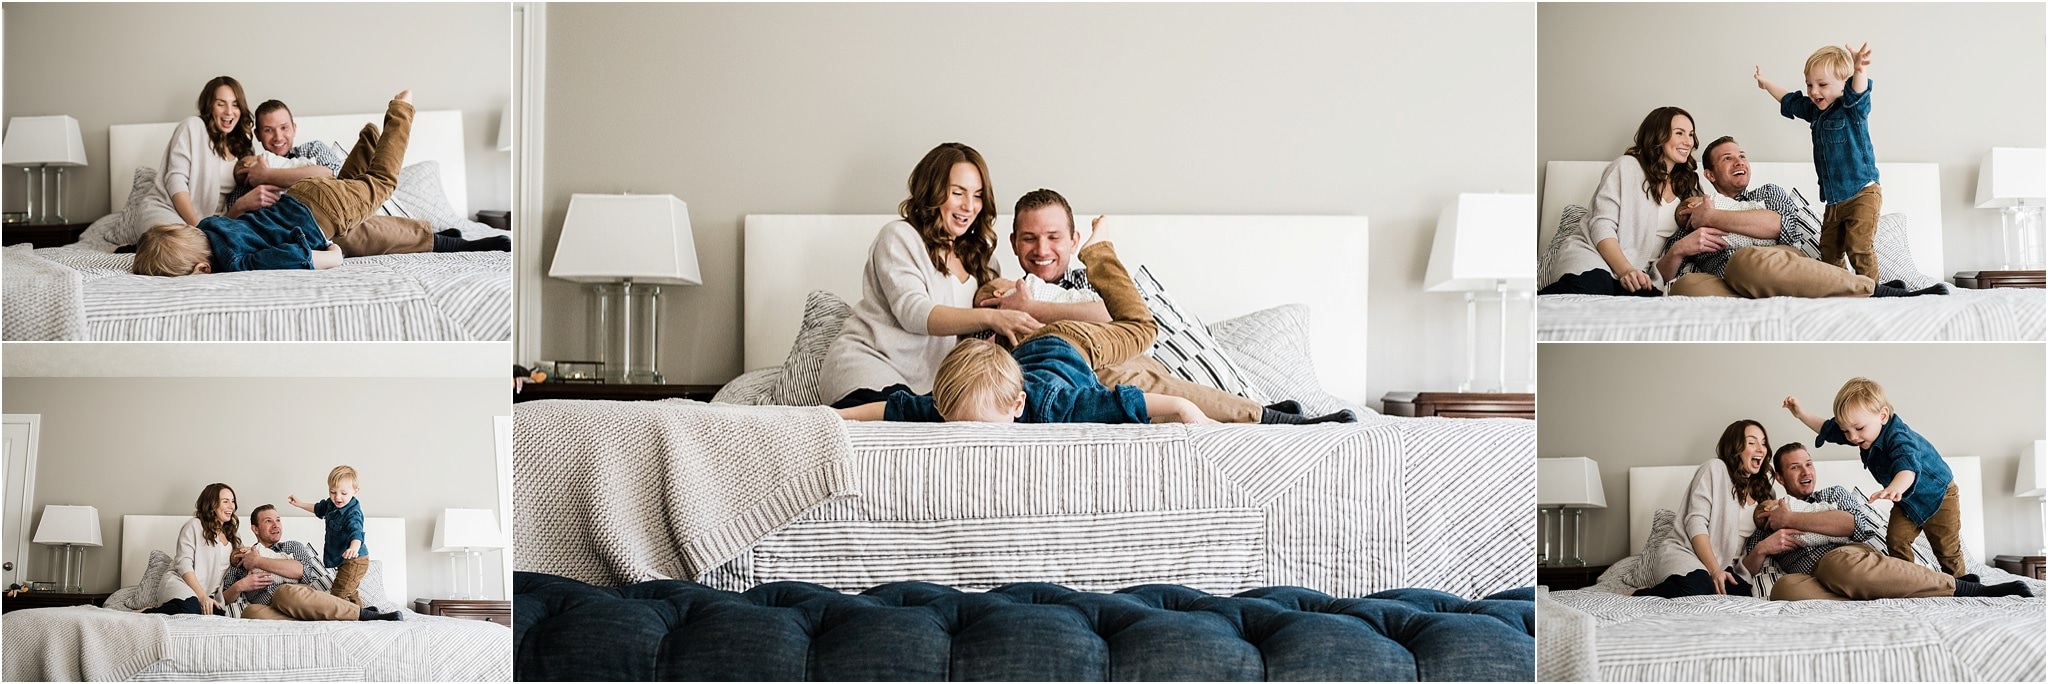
point(107, 64)
point(1953, 80)
point(1628, 405)
point(1385, 111)
point(147, 446)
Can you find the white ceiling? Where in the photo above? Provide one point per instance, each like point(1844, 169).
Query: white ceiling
point(256, 360)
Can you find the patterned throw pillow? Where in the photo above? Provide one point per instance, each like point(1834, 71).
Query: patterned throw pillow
point(1895, 253)
point(1272, 346)
point(1567, 226)
point(150, 592)
point(112, 230)
point(373, 591)
point(1663, 532)
point(824, 314)
point(1185, 347)
point(419, 195)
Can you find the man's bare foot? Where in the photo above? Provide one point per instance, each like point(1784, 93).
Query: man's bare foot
point(404, 96)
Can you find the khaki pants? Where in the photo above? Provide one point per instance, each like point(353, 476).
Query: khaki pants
point(1944, 532)
point(303, 603)
point(346, 205)
point(1859, 573)
point(349, 578)
point(1130, 330)
point(1850, 228)
point(1779, 271)
point(1146, 374)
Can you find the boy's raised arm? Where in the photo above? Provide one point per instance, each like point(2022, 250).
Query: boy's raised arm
point(294, 500)
point(1812, 422)
point(1860, 58)
point(1776, 92)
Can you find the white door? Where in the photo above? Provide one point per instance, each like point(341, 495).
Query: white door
point(19, 437)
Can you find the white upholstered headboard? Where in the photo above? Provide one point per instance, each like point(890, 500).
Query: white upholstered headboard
point(436, 136)
point(1664, 487)
point(141, 534)
point(1910, 188)
point(1217, 266)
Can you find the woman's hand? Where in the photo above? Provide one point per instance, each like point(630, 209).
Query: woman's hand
point(1634, 280)
point(1012, 325)
point(206, 604)
point(1722, 580)
point(1702, 241)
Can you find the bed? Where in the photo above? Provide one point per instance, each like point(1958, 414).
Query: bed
point(1910, 189)
point(111, 643)
point(1600, 633)
point(81, 292)
point(1343, 509)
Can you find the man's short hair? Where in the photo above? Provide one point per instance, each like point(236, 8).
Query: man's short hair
point(1862, 393)
point(1707, 155)
point(1037, 199)
point(1834, 59)
point(339, 473)
point(976, 371)
point(1778, 457)
point(269, 106)
point(259, 511)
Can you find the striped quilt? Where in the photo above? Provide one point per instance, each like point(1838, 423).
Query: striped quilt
point(1966, 315)
point(456, 296)
point(1598, 634)
point(1344, 509)
point(420, 648)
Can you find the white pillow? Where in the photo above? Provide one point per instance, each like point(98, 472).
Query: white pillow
point(372, 589)
point(419, 195)
point(1895, 254)
point(1272, 348)
point(112, 230)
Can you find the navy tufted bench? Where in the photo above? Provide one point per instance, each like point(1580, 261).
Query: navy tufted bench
point(790, 631)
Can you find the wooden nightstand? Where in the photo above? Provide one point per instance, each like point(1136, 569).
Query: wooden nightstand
point(1460, 405)
point(1567, 577)
point(2024, 566)
point(618, 392)
point(42, 234)
point(499, 219)
point(51, 599)
point(1985, 280)
point(468, 609)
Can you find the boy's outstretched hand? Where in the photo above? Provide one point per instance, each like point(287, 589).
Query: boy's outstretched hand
point(1859, 57)
point(1761, 82)
point(1791, 404)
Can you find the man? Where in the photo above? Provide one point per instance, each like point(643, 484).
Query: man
point(1755, 243)
point(1045, 239)
point(292, 586)
point(276, 131)
point(1855, 571)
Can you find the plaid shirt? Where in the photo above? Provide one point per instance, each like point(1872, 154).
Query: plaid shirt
point(314, 575)
point(1842, 154)
point(1803, 560)
point(1797, 227)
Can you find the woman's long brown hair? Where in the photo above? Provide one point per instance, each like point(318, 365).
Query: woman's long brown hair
point(1649, 152)
point(233, 144)
point(923, 210)
point(1756, 487)
point(208, 513)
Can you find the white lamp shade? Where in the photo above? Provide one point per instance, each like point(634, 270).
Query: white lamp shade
point(1570, 483)
point(43, 140)
point(76, 525)
point(608, 238)
point(456, 529)
point(2033, 479)
point(505, 129)
point(1483, 239)
point(2010, 174)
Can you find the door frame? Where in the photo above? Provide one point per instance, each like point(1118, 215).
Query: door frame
point(23, 509)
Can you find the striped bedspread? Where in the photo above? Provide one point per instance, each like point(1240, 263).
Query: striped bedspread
point(420, 648)
point(1740, 638)
point(459, 296)
point(1967, 315)
point(1344, 509)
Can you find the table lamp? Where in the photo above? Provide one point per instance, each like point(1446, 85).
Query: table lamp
point(464, 533)
point(2033, 482)
point(1566, 484)
point(1483, 243)
point(2013, 180)
point(70, 529)
point(43, 143)
point(624, 248)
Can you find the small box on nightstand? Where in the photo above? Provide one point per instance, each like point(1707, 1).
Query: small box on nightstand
point(488, 610)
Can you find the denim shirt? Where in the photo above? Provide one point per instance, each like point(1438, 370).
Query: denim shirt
point(1842, 154)
point(344, 524)
point(279, 236)
point(1059, 387)
point(1898, 448)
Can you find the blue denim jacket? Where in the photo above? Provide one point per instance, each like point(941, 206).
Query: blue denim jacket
point(1842, 153)
point(1059, 387)
point(279, 236)
point(344, 524)
point(1900, 448)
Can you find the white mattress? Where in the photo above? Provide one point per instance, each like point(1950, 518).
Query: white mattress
point(1964, 315)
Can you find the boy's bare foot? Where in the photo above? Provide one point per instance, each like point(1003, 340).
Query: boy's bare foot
point(404, 96)
point(1095, 232)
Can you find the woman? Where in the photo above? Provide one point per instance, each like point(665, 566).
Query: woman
point(199, 163)
point(204, 545)
point(1716, 518)
point(917, 291)
point(1632, 213)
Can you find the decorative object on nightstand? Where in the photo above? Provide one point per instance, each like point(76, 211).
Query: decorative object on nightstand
point(43, 143)
point(1483, 243)
point(1565, 578)
point(487, 610)
point(2015, 181)
point(70, 529)
point(1566, 485)
point(2033, 482)
point(1459, 405)
point(624, 248)
point(51, 599)
point(463, 533)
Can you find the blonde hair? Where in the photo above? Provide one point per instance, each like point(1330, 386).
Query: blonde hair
point(171, 249)
point(339, 473)
point(975, 372)
point(1862, 393)
point(1834, 58)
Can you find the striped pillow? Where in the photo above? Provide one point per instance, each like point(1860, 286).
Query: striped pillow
point(419, 195)
point(1185, 347)
point(824, 314)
